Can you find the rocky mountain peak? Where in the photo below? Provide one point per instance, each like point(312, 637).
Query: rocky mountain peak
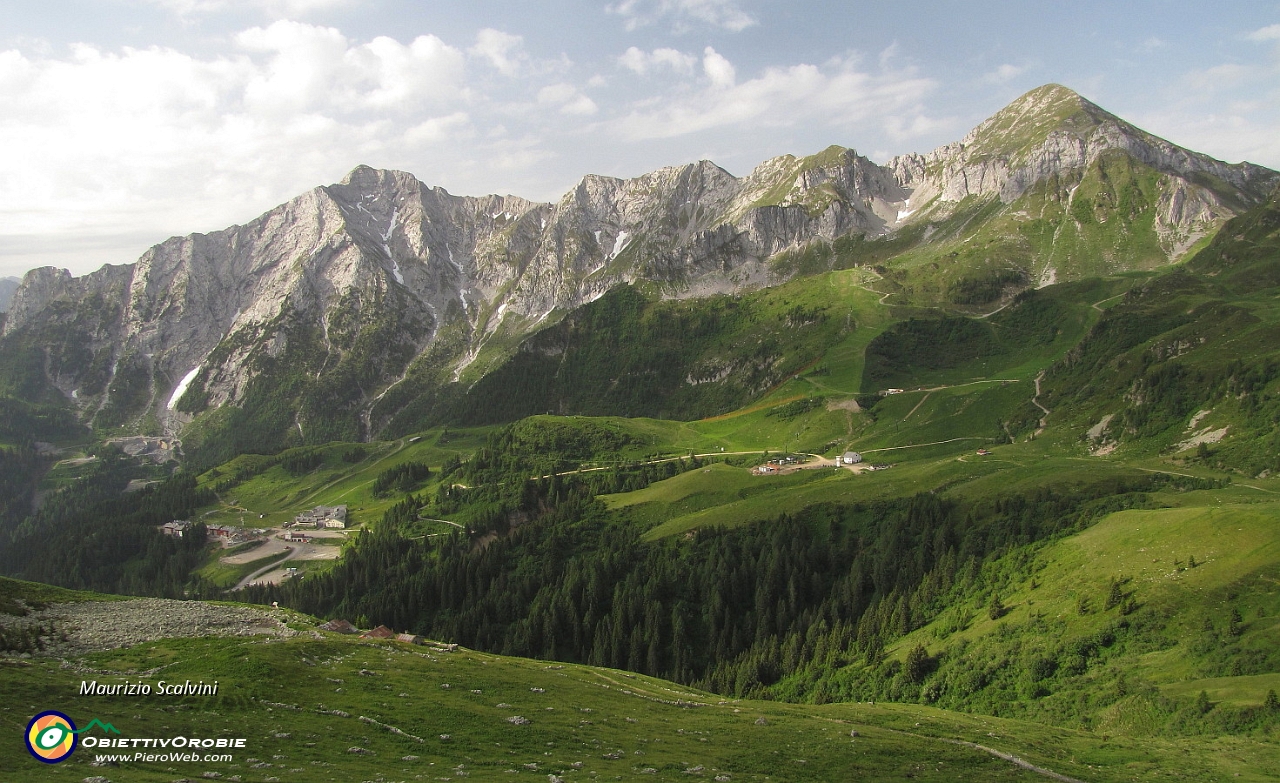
point(1052, 133)
point(358, 285)
point(1019, 129)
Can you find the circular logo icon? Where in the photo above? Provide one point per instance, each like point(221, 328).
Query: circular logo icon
point(51, 736)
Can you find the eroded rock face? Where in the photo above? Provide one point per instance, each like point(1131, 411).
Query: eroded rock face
point(7, 286)
point(206, 308)
point(1053, 132)
point(209, 311)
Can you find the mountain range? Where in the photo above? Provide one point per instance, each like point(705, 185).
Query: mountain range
point(362, 307)
point(979, 445)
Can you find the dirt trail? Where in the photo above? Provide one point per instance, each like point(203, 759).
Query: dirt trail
point(754, 408)
point(918, 404)
point(1009, 757)
point(919, 445)
point(1108, 299)
point(1018, 762)
point(648, 462)
point(248, 580)
point(1044, 420)
point(883, 296)
point(401, 444)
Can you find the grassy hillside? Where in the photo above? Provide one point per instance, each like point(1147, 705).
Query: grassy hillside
point(1117, 629)
point(306, 704)
point(1099, 584)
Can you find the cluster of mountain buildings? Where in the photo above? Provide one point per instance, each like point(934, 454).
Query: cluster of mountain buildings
point(321, 517)
point(179, 528)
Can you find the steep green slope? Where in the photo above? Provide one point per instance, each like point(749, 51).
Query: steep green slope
point(1116, 629)
point(632, 355)
point(1243, 255)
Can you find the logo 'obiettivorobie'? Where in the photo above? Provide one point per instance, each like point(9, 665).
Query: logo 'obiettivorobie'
point(51, 737)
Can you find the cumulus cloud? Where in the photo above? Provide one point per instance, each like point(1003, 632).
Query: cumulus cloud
point(309, 68)
point(567, 99)
point(684, 15)
point(1268, 33)
point(719, 70)
point(642, 62)
point(501, 50)
point(836, 93)
point(156, 139)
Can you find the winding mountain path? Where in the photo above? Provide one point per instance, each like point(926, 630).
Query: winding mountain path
point(1096, 304)
point(1016, 761)
point(1044, 420)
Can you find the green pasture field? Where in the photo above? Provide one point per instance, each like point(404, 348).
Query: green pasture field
point(224, 575)
point(323, 709)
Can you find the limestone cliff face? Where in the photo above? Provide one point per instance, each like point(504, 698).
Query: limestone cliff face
point(1052, 132)
point(7, 286)
point(207, 308)
point(211, 311)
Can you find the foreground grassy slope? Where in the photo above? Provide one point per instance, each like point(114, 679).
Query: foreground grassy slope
point(303, 703)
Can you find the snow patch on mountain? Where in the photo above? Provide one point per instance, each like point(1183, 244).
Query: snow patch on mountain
point(181, 388)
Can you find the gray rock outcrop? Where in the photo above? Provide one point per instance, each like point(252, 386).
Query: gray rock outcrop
point(207, 312)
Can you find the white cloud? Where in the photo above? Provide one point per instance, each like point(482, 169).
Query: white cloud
point(836, 94)
point(138, 140)
point(643, 62)
point(1230, 136)
point(719, 70)
point(1268, 33)
point(1225, 76)
point(501, 50)
point(684, 14)
point(567, 98)
point(1004, 74)
point(311, 67)
point(1229, 110)
point(438, 129)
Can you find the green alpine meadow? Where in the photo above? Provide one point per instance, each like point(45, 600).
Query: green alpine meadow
point(963, 467)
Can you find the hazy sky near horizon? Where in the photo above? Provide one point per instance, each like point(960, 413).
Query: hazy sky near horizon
point(129, 121)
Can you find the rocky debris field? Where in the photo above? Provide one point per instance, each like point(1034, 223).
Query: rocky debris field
point(75, 628)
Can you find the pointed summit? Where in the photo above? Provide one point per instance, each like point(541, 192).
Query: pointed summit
point(361, 174)
point(1025, 124)
point(1054, 133)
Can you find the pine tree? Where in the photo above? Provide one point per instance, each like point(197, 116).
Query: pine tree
point(917, 664)
point(996, 609)
point(1115, 596)
point(1235, 627)
point(1203, 705)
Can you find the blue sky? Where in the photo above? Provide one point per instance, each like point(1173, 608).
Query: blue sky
point(128, 121)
